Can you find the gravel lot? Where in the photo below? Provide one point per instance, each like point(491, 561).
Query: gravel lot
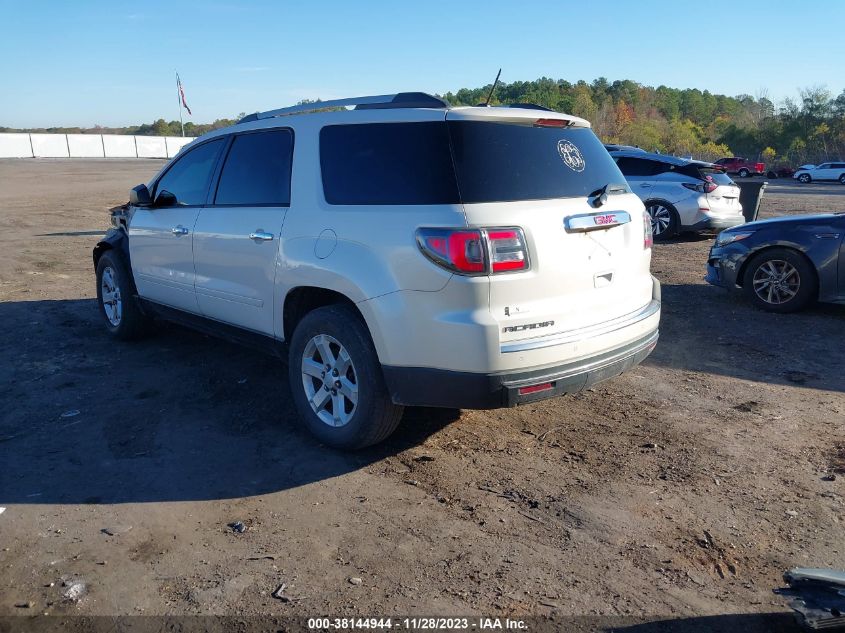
point(680, 491)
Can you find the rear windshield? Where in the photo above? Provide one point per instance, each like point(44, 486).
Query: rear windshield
point(499, 162)
point(460, 161)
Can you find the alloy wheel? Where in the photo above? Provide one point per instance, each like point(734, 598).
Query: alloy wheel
point(776, 281)
point(661, 218)
point(110, 292)
point(329, 380)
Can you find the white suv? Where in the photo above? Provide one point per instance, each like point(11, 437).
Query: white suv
point(406, 252)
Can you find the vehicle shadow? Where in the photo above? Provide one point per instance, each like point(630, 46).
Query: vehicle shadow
point(710, 330)
point(178, 416)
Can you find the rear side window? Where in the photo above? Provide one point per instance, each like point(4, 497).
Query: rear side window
point(715, 175)
point(640, 167)
point(500, 162)
point(188, 178)
point(387, 163)
point(257, 170)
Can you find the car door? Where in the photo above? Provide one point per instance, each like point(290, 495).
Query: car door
point(237, 235)
point(160, 236)
point(823, 172)
point(640, 174)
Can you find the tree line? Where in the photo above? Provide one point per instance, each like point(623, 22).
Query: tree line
point(687, 122)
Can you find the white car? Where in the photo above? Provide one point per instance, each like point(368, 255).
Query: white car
point(400, 253)
point(834, 171)
point(681, 194)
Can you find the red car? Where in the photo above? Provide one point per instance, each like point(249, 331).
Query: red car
point(741, 166)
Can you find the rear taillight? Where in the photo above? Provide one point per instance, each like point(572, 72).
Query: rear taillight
point(648, 234)
point(475, 251)
point(702, 187)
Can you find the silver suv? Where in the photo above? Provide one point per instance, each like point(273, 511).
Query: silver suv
point(681, 194)
point(400, 253)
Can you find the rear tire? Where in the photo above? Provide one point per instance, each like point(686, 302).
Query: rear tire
point(665, 222)
point(805, 179)
point(744, 173)
point(116, 298)
point(337, 382)
point(842, 179)
point(780, 280)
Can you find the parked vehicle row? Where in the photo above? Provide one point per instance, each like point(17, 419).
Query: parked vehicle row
point(405, 252)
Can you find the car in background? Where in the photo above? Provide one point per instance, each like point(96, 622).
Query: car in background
point(681, 194)
point(610, 147)
point(783, 264)
point(832, 171)
point(742, 167)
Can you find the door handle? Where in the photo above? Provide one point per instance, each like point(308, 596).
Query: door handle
point(645, 184)
point(261, 236)
point(179, 230)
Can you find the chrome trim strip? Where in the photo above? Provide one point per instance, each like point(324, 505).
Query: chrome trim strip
point(572, 336)
point(651, 341)
point(595, 221)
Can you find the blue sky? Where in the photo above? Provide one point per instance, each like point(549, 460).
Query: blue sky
point(112, 62)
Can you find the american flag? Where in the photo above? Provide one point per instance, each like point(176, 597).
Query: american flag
point(182, 94)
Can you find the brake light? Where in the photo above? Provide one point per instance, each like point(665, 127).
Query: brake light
point(551, 123)
point(648, 234)
point(475, 251)
point(702, 187)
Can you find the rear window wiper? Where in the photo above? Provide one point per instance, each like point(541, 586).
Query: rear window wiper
point(600, 195)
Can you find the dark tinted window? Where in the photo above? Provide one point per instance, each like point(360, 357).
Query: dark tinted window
point(640, 167)
point(189, 176)
point(387, 163)
point(498, 162)
point(257, 169)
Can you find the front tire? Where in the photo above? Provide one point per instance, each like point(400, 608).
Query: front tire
point(116, 299)
point(780, 280)
point(336, 380)
point(744, 173)
point(665, 222)
point(805, 179)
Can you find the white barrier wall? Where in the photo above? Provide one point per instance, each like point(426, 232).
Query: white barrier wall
point(23, 145)
point(15, 146)
point(85, 145)
point(49, 145)
point(175, 143)
point(151, 146)
point(119, 146)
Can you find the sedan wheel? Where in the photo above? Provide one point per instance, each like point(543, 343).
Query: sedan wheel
point(329, 380)
point(780, 280)
point(776, 282)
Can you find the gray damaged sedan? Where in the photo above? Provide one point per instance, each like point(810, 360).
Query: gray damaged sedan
point(783, 264)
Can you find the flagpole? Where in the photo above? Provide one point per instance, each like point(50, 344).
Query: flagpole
point(179, 102)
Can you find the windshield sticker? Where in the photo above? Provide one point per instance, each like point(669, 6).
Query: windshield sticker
point(571, 155)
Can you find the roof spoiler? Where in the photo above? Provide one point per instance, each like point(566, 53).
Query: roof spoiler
point(376, 102)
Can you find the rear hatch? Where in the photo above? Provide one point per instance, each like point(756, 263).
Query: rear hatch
point(587, 264)
point(724, 198)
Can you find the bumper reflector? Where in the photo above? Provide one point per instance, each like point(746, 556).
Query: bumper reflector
point(545, 386)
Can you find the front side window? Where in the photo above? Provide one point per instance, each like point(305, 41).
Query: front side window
point(257, 170)
point(387, 164)
point(188, 178)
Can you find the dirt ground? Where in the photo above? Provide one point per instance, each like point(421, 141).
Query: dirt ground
point(679, 492)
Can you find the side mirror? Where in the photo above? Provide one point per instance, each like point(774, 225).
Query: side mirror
point(140, 196)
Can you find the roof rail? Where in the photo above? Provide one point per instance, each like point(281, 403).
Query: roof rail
point(398, 100)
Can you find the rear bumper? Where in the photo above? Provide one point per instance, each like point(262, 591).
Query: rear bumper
point(423, 386)
point(717, 223)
